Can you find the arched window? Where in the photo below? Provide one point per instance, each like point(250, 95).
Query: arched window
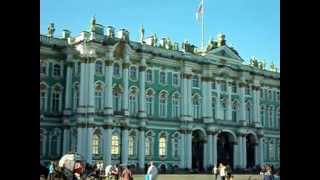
point(96, 143)
point(54, 143)
point(43, 97)
point(163, 77)
point(116, 69)
point(149, 102)
point(249, 112)
point(196, 106)
point(76, 92)
point(176, 106)
point(117, 95)
point(271, 151)
point(133, 73)
point(43, 67)
point(57, 70)
point(131, 144)
point(149, 75)
point(195, 81)
point(163, 104)
point(133, 103)
point(98, 97)
point(175, 146)
point(148, 144)
point(56, 99)
point(224, 108)
point(115, 148)
point(235, 111)
point(162, 145)
point(214, 107)
point(99, 67)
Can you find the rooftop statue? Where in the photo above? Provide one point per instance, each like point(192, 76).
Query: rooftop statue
point(168, 44)
point(93, 24)
point(154, 40)
point(142, 35)
point(110, 32)
point(211, 45)
point(51, 29)
point(273, 67)
point(261, 65)
point(254, 62)
point(188, 47)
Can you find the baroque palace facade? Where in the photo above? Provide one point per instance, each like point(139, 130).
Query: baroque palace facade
point(114, 100)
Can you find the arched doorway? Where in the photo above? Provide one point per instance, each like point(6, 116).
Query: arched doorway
point(197, 150)
point(225, 148)
point(250, 145)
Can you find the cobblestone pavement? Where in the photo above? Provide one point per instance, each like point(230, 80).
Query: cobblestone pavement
point(198, 177)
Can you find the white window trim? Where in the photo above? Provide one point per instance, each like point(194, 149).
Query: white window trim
point(173, 107)
point(51, 134)
point(60, 98)
point(172, 145)
point(166, 144)
point(103, 68)
point(47, 68)
point(152, 105)
point(44, 143)
point(199, 82)
point(165, 106)
point(119, 144)
point(61, 70)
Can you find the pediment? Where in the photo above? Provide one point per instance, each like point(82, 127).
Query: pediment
point(224, 52)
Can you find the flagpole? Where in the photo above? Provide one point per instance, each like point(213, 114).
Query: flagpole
point(202, 31)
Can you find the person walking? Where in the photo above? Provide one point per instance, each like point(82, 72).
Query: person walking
point(215, 172)
point(152, 171)
point(115, 172)
point(228, 171)
point(126, 174)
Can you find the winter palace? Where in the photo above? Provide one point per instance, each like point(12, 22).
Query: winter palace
point(115, 100)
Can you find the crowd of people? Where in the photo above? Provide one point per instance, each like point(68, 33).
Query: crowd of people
point(222, 172)
point(268, 173)
point(85, 171)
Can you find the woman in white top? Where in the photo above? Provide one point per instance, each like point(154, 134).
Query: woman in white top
point(222, 171)
point(153, 171)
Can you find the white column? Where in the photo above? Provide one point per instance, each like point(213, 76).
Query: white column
point(218, 102)
point(184, 91)
point(229, 103)
point(261, 150)
point(108, 90)
point(66, 140)
point(210, 147)
point(125, 83)
point(256, 154)
point(82, 83)
point(242, 103)
point(257, 106)
point(209, 101)
point(142, 96)
point(124, 147)
point(244, 146)
point(204, 98)
point(240, 152)
point(68, 86)
point(215, 146)
point(189, 100)
point(89, 144)
point(205, 155)
point(182, 150)
point(91, 86)
point(141, 147)
point(235, 155)
point(107, 134)
point(80, 141)
point(189, 150)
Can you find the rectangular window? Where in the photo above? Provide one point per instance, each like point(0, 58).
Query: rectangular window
point(234, 88)
point(55, 102)
point(247, 90)
point(115, 145)
point(131, 146)
point(175, 108)
point(163, 108)
point(57, 70)
point(175, 79)
point(149, 102)
point(195, 82)
point(278, 96)
point(43, 68)
point(43, 101)
point(133, 73)
point(223, 86)
point(95, 144)
point(162, 77)
point(162, 146)
point(213, 85)
point(149, 75)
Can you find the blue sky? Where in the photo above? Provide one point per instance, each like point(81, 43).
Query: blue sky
point(251, 26)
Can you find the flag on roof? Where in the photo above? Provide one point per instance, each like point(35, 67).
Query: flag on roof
point(200, 11)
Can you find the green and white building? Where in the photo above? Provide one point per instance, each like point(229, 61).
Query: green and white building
point(115, 100)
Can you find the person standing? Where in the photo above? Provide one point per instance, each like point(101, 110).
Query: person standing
point(115, 172)
point(126, 174)
point(51, 170)
point(215, 171)
point(222, 171)
point(152, 171)
point(268, 174)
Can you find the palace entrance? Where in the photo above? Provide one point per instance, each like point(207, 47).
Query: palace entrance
point(197, 150)
point(250, 144)
point(225, 148)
